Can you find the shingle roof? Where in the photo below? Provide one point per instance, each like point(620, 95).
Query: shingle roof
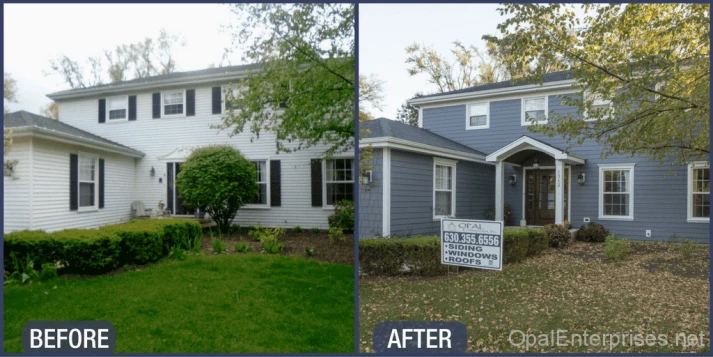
point(383, 127)
point(164, 77)
point(22, 119)
point(550, 77)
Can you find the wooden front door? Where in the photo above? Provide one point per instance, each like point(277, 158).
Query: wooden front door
point(540, 201)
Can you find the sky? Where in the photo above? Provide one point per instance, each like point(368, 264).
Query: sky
point(36, 33)
point(386, 29)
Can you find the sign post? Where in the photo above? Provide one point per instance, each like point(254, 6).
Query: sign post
point(472, 243)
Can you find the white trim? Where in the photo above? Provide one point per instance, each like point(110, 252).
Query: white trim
point(487, 116)
point(107, 110)
point(95, 182)
point(523, 120)
point(223, 99)
point(689, 192)
point(163, 104)
point(559, 191)
point(420, 117)
point(528, 143)
point(515, 91)
point(606, 167)
point(437, 161)
point(267, 203)
point(57, 136)
point(594, 101)
point(407, 145)
point(499, 190)
point(324, 178)
point(386, 193)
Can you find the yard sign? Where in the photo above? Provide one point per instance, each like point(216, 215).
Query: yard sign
point(472, 243)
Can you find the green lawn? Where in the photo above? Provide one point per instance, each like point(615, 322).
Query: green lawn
point(227, 303)
point(575, 289)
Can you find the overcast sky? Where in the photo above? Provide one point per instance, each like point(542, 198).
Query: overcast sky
point(386, 29)
point(35, 33)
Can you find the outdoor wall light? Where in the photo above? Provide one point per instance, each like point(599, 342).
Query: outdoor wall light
point(512, 180)
point(535, 164)
point(366, 178)
point(581, 178)
point(153, 172)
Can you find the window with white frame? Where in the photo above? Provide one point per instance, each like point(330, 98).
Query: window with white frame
point(534, 110)
point(88, 173)
point(699, 189)
point(229, 95)
point(173, 103)
point(616, 192)
point(478, 116)
point(599, 109)
point(444, 188)
point(339, 180)
point(117, 108)
point(262, 179)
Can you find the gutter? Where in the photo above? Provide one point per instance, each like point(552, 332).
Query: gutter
point(53, 135)
point(407, 145)
point(569, 83)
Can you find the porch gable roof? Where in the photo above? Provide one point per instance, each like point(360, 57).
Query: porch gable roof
point(527, 143)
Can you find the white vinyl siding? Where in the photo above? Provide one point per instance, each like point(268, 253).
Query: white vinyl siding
point(478, 116)
point(444, 187)
point(17, 188)
point(699, 189)
point(616, 192)
point(534, 110)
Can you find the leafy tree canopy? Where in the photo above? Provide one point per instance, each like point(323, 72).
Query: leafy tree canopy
point(650, 60)
point(302, 88)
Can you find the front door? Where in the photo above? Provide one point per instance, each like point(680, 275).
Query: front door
point(174, 201)
point(540, 196)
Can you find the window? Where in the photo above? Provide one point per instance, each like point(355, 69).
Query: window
point(88, 173)
point(117, 108)
point(173, 103)
point(616, 192)
point(534, 110)
point(261, 168)
point(600, 108)
point(229, 93)
point(339, 180)
point(699, 192)
point(478, 116)
point(444, 188)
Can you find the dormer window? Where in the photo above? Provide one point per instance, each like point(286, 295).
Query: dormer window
point(534, 110)
point(173, 103)
point(478, 116)
point(117, 108)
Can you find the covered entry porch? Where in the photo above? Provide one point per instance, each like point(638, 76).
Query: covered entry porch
point(542, 175)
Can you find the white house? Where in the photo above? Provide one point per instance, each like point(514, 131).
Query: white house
point(124, 142)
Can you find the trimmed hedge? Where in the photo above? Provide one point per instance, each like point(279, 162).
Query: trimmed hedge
point(422, 255)
point(94, 251)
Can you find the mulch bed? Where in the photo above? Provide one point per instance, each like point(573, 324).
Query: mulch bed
point(294, 244)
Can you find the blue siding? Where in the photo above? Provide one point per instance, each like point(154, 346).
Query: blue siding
point(370, 201)
point(660, 195)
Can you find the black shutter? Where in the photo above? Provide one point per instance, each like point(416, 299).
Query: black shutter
point(102, 111)
point(101, 183)
point(316, 183)
point(132, 107)
point(73, 181)
point(169, 186)
point(156, 105)
point(217, 98)
point(190, 102)
point(275, 182)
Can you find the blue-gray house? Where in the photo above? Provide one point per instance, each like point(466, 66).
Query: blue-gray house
point(472, 156)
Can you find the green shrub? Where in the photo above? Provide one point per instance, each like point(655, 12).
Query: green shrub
point(177, 253)
point(255, 232)
point(242, 248)
point(316, 230)
point(539, 242)
point(94, 251)
point(343, 216)
point(297, 229)
point(48, 272)
point(558, 235)
point(270, 236)
point(515, 245)
point(616, 248)
point(272, 248)
point(592, 232)
point(235, 229)
point(336, 234)
point(218, 246)
point(685, 248)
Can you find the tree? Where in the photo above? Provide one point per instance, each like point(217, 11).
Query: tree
point(650, 61)
point(50, 110)
point(302, 84)
point(9, 91)
point(217, 180)
point(408, 114)
point(145, 58)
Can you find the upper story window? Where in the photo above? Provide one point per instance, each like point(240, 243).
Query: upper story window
point(87, 182)
point(600, 108)
point(173, 103)
point(229, 94)
point(534, 110)
point(339, 180)
point(699, 192)
point(478, 116)
point(444, 173)
point(117, 108)
point(616, 191)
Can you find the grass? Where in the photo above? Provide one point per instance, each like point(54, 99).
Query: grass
point(576, 289)
point(225, 303)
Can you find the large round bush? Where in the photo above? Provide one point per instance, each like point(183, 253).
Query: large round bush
point(218, 180)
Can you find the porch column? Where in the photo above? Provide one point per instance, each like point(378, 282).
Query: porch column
point(499, 190)
point(559, 191)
